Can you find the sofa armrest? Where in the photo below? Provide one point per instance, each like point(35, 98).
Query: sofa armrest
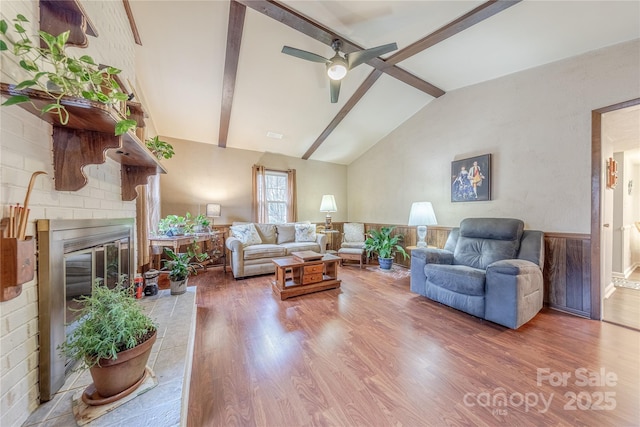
point(234, 244)
point(237, 256)
point(514, 292)
point(321, 239)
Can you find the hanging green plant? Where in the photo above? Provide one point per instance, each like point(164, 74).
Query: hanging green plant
point(58, 74)
point(160, 149)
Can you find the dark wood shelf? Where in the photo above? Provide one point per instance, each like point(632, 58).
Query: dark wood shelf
point(88, 138)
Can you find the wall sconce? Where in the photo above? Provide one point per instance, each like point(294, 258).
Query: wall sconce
point(422, 214)
point(328, 204)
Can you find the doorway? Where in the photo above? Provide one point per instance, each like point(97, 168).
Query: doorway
point(615, 210)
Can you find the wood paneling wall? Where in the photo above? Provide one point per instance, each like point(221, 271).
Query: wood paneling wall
point(567, 266)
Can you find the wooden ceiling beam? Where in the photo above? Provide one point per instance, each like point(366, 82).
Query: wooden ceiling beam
point(237, 13)
point(348, 106)
point(317, 31)
point(479, 14)
point(132, 22)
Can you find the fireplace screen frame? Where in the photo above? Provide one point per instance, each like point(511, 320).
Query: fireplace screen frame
point(56, 240)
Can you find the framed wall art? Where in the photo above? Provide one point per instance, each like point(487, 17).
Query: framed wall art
point(471, 179)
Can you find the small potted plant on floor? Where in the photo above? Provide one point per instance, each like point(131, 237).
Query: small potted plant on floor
point(113, 340)
point(180, 267)
point(384, 245)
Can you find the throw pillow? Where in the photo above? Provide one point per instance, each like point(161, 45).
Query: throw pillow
point(246, 233)
point(354, 232)
point(305, 232)
point(286, 233)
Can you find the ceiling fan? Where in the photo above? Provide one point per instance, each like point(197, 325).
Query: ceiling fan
point(338, 66)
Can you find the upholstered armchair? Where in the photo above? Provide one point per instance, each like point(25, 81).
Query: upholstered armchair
point(352, 246)
point(490, 268)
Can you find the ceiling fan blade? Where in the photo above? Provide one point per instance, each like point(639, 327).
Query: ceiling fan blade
point(362, 56)
point(303, 54)
point(334, 86)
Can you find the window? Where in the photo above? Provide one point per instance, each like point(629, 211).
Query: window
point(274, 195)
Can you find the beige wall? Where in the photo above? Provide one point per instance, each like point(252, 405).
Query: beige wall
point(25, 147)
point(203, 173)
point(537, 126)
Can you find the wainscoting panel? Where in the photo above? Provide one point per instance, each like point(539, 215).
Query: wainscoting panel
point(567, 276)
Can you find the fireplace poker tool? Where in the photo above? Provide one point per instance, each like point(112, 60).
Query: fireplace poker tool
point(22, 225)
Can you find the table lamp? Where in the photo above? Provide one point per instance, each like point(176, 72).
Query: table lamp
point(422, 214)
point(328, 204)
point(213, 211)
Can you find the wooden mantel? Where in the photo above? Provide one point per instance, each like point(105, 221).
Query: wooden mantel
point(88, 138)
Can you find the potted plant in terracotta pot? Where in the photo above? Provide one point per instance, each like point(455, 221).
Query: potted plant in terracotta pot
point(113, 341)
point(180, 267)
point(384, 245)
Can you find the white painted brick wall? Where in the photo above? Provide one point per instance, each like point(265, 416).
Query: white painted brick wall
point(25, 147)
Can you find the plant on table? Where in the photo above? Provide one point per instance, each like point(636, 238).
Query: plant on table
point(58, 74)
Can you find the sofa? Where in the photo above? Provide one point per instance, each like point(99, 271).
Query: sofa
point(254, 245)
point(490, 268)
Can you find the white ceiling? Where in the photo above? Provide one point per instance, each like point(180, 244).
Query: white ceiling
point(181, 63)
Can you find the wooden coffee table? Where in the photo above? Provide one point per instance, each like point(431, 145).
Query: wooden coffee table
point(296, 277)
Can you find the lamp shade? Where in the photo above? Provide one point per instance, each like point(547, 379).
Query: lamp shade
point(422, 214)
point(328, 203)
point(213, 209)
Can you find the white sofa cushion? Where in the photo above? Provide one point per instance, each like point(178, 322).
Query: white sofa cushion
point(305, 232)
point(286, 233)
point(246, 233)
point(267, 232)
point(264, 251)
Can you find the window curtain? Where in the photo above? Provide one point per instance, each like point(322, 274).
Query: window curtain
point(259, 207)
point(292, 198)
point(147, 217)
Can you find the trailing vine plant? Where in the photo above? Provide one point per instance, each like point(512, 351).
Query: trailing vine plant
point(58, 74)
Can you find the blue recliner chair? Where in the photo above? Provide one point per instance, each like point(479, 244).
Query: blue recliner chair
point(490, 268)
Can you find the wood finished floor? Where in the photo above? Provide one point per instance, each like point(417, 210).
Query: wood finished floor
point(374, 354)
point(623, 307)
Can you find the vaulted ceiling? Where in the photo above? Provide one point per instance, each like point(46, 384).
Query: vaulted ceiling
point(213, 71)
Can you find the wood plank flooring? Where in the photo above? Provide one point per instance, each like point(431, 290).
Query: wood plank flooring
point(373, 354)
point(623, 306)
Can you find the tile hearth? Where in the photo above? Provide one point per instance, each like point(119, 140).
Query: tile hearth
point(170, 360)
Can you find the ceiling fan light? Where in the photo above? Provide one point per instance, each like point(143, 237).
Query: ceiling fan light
point(337, 69)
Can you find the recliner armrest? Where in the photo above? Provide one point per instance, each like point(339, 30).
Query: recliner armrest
point(514, 292)
point(512, 267)
point(433, 255)
point(420, 258)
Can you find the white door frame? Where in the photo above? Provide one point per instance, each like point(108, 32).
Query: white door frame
point(596, 202)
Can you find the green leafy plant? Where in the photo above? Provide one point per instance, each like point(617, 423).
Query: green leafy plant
point(179, 264)
point(173, 223)
point(202, 221)
point(57, 74)
point(160, 149)
point(383, 244)
point(111, 321)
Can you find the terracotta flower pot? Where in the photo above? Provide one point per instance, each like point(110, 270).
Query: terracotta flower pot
point(113, 376)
